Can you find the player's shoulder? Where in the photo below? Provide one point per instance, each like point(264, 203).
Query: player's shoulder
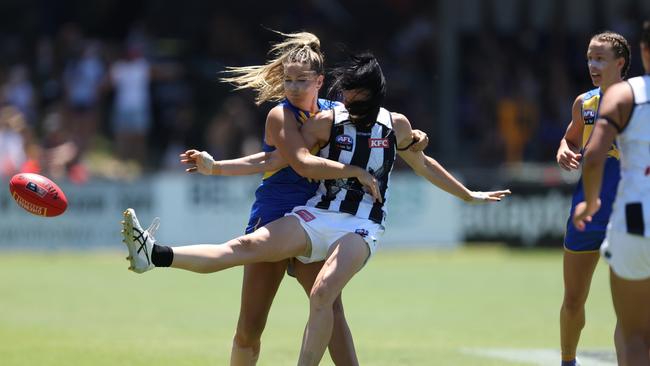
point(401, 126)
point(583, 97)
point(275, 115)
point(279, 112)
point(399, 120)
point(622, 89)
point(580, 101)
point(593, 93)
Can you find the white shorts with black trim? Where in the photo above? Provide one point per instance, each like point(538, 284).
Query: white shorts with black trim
point(628, 255)
point(326, 227)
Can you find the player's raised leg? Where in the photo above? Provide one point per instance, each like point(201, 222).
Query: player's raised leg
point(281, 239)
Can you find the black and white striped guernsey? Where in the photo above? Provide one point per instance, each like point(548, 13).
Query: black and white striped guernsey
point(372, 148)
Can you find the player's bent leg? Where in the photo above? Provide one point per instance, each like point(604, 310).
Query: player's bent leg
point(631, 298)
point(344, 259)
point(281, 239)
point(578, 271)
point(341, 344)
point(260, 284)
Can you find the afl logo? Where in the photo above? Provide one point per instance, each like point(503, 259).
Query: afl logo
point(344, 142)
point(589, 115)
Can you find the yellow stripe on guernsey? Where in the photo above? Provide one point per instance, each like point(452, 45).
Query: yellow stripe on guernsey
point(302, 118)
point(590, 106)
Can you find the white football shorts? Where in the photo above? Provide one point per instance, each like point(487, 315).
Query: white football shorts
point(326, 227)
point(628, 255)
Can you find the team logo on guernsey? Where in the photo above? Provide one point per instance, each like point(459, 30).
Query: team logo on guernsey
point(589, 115)
point(378, 143)
point(344, 142)
point(305, 215)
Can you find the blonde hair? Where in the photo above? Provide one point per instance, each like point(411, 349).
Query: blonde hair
point(268, 79)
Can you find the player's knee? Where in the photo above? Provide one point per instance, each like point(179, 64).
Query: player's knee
point(574, 304)
point(245, 245)
point(249, 330)
point(321, 297)
point(249, 334)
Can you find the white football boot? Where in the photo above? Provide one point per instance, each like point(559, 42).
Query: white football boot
point(140, 242)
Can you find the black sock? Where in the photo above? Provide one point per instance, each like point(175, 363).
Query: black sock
point(162, 256)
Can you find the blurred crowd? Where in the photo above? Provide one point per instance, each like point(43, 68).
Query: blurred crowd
point(86, 95)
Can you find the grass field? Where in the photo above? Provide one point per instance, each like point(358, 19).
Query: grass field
point(404, 308)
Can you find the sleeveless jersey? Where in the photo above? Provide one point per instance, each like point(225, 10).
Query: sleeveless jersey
point(284, 189)
point(372, 148)
point(590, 106)
point(594, 234)
point(632, 206)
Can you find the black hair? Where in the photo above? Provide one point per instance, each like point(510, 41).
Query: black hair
point(361, 71)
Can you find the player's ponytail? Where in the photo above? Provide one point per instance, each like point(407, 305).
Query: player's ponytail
point(268, 79)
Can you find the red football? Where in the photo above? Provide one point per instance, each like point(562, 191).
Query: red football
point(37, 194)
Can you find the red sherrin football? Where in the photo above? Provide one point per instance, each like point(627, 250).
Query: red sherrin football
point(37, 194)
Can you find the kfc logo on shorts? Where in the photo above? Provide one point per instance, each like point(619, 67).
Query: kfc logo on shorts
point(362, 232)
point(305, 215)
point(378, 143)
point(589, 115)
point(344, 142)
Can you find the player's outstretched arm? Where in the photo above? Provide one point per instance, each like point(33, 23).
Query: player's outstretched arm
point(431, 170)
point(202, 162)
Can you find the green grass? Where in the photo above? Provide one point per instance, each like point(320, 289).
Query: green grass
point(404, 308)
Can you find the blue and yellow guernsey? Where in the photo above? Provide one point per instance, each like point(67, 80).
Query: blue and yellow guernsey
point(282, 190)
point(594, 234)
point(590, 106)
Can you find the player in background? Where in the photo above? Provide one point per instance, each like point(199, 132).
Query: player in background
point(341, 223)
point(293, 78)
point(608, 60)
point(625, 112)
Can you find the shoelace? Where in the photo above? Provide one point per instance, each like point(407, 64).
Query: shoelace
point(154, 226)
point(143, 236)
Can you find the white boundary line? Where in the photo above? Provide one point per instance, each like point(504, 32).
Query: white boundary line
point(542, 356)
